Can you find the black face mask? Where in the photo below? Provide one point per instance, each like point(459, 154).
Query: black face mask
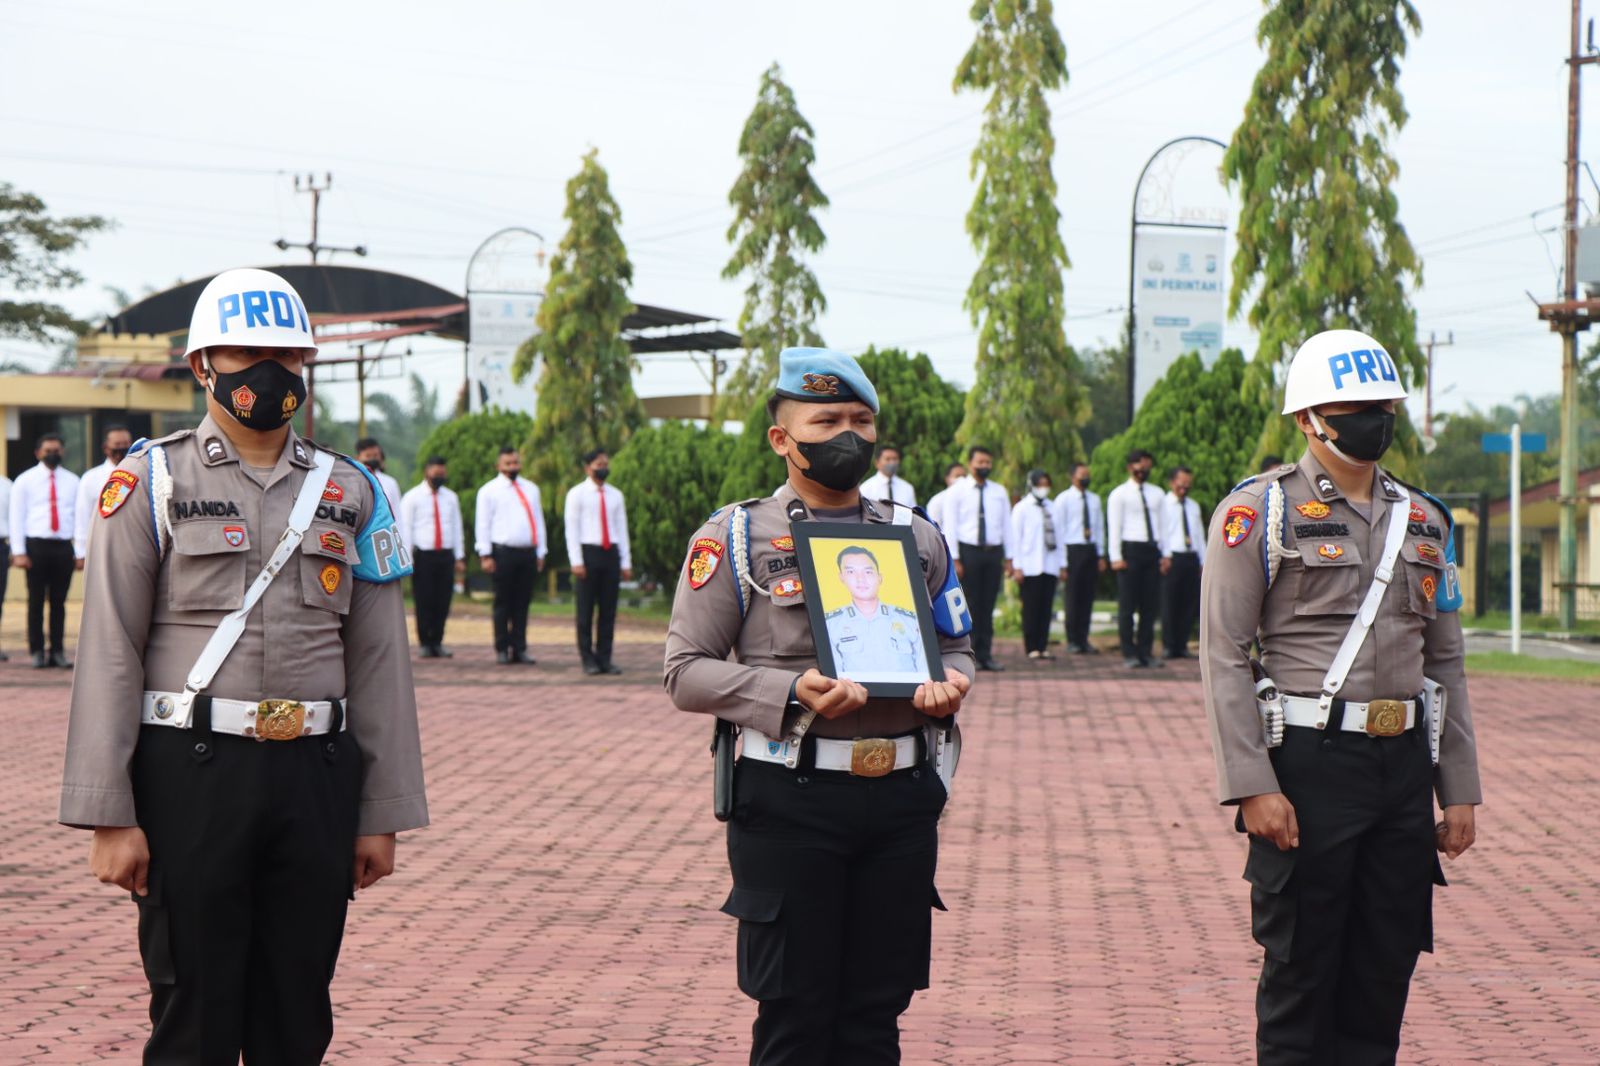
point(602, 472)
point(980, 473)
point(51, 459)
point(512, 475)
point(118, 454)
point(1140, 474)
point(436, 483)
point(262, 396)
point(1084, 483)
point(1364, 435)
point(838, 463)
point(373, 465)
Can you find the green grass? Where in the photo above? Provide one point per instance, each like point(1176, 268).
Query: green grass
point(1504, 664)
point(1531, 623)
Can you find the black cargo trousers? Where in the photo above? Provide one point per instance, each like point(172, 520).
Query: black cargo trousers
point(1343, 917)
point(833, 889)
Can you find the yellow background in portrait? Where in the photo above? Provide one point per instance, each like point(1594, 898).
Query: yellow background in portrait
point(896, 590)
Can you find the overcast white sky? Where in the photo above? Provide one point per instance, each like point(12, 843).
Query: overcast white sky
point(443, 123)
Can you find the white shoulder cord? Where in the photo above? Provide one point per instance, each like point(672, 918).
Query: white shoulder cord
point(161, 498)
point(1277, 503)
point(1346, 658)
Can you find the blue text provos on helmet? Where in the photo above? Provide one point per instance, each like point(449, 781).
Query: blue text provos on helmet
point(253, 306)
point(1367, 364)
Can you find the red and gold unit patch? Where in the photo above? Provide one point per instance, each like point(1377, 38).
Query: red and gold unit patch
point(704, 557)
point(1428, 551)
point(784, 543)
point(821, 384)
point(789, 586)
point(1418, 514)
point(1314, 509)
point(1331, 551)
point(330, 579)
point(333, 493)
point(333, 542)
point(1237, 525)
point(243, 399)
point(1430, 585)
point(119, 486)
point(234, 535)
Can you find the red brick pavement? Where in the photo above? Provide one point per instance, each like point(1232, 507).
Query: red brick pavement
point(562, 909)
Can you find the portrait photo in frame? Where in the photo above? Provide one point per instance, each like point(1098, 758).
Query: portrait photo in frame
point(871, 618)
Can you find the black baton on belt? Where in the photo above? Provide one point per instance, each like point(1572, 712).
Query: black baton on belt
point(722, 772)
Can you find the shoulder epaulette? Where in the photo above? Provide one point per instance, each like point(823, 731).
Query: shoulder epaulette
point(171, 438)
point(1266, 477)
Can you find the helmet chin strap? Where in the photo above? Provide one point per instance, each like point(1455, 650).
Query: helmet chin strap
point(1332, 447)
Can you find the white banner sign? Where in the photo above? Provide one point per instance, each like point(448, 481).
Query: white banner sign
point(1179, 301)
point(500, 324)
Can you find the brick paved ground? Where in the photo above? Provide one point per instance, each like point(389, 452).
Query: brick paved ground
point(563, 907)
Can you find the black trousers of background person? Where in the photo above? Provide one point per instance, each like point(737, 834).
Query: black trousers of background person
point(1038, 611)
point(433, 584)
point(599, 589)
point(5, 570)
point(514, 571)
point(1083, 573)
point(250, 866)
point(49, 575)
point(984, 571)
point(1138, 592)
point(1180, 601)
point(1343, 917)
point(833, 889)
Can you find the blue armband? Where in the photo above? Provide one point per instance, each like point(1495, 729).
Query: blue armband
point(381, 554)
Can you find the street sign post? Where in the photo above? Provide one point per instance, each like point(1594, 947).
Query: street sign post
point(1515, 443)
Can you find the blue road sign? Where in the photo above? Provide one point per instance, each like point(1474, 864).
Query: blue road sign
point(1500, 443)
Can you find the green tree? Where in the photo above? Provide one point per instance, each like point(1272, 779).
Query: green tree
point(1459, 463)
point(33, 251)
point(471, 445)
point(752, 470)
point(1193, 417)
point(775, 200)
point(586, 398)
point(1320, 244)
point(1105, 375)
point(1027, 375)
point(689, 459)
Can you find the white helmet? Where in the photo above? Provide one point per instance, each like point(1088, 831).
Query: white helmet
point(250, 307)
point(1340, 366)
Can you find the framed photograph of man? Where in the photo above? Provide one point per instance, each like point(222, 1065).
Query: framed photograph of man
point(870, 613)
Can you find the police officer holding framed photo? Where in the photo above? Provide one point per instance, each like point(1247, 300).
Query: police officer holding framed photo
point(240, 802)
point(836, 797)
point(1335, 744)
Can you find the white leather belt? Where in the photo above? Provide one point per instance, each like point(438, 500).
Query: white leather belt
point(1380, 718)
point(871, 757)
point(262, 720)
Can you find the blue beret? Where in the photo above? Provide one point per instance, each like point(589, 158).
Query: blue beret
point(821, 375)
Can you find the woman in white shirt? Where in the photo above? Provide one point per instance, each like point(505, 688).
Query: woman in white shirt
point(1038, 557)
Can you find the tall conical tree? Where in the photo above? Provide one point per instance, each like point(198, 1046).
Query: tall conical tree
point(774, 200)
point(1027, 375)
point(586, 398)
point(1320, 242)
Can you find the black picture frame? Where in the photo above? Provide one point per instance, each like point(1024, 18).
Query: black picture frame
point(889, 545)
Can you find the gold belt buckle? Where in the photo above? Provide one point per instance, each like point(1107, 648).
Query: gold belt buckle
point(873, 757)
point(280, 720)
point(1386, 718)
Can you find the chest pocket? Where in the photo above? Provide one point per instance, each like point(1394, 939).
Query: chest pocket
point(791, 623)
point(1330, 577)
point(326, 556)
point(207, 565)
point(1422, 568)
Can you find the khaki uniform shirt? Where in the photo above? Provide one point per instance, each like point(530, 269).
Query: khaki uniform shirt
point(1304, 617)
point(320, 632)
point(742, 668)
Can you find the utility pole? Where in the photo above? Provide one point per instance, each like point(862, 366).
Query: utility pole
point(1567, 561)
point(1433, 342)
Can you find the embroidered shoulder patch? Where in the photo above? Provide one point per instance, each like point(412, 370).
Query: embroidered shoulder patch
point(233, 535)
point(1314, 509)
point(784, 543)
point(119, 486)
point(1237, 525)
point(704, 557)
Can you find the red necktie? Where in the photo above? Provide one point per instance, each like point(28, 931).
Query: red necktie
point(55, 516)
point(605, 524)
point(533, 528)
point(438, 527)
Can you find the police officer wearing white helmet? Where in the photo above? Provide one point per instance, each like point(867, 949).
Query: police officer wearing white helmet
point(1335, 744)
point(245, 748)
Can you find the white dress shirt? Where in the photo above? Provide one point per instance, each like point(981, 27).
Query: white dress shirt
point(89, 486)
point(1069, 516)
point(1029, 553)
point(897, 488)
point(5, 510)
point(582, 513)
point(417, 529)
point(391, 490)
point(500, 518)
point(935, 507)
point(961, 509)
point(30, 506)
point(1125, 518)
point(1173, 513)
